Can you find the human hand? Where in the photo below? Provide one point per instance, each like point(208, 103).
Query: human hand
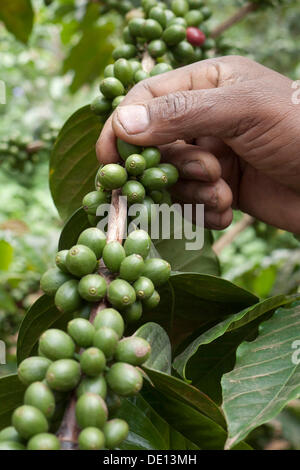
point(230, 127)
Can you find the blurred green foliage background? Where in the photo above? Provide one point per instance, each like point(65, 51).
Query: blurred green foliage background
point(56, 69)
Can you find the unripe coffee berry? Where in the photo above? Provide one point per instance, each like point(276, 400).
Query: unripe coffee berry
point(92, 361)
point(81, 260)
point(33, 369)
point(121, 294)
point(135, 164)
point(29, 421)
point(112, 176)
point(138, 242)
point(106, 339)
point(44, 441)
point(92, 385)
point(134, 191)
point(115, 432)
point(124, 379)
point(91, 438)
point(52, 279)
point(110, 318)
point(131, 268)
point(92, 287)
point(67, 298)
point(93, 238)
point(133, 350)
point(63, 375)
point(56, 344)
point(113, 255)
point(91, 410)
point(82, 332)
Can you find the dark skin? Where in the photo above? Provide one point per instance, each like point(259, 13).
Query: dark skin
point(230, 127)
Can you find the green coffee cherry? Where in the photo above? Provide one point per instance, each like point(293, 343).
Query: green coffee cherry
point(210, 43)
point(63, 375)
point(109, 71)
point(113, 401)
point(134, 191)
point(158, 270)
point(44, 441)
point(152, 302)
point(33, 369)
point(82, 332)
point(117, 101)
point(67, 298)
point(52, 279)
point(10, 434)
point(10, 445)
point(160, 68)
point(91, 410)
point(111, 87)
point(136, 26)
point(138, 242)
point(133, 350)
point(112, 176)
point(133, 313)
point(148, 4)
point(178, 20)
point(127, 36)
point(198, 54)
point(56, 344)
point(152, 156)
point(171, 172)
point(206, 12)
point(143, 287)
point(158, 14)
point(92, 201)
point(92, 385)
point(157, 48)
point(125, 149)
point(140, 75)
point(81, 260)
point(180, 7)
point(60, 260)
point(135, 164)
point(92, 361)
point(195, 3)
point(154, 178)
point(101, 105)
point(106, 339)
point(193, 17)
point(156, 196)
point(184, 52)
point(92, 287)
point(91, 438)
point(124, 379)
point(152, 29)
point(174, 34)
point(28, 421)
point(84, 312)
point(110, 318)
point(115, 432)
point(41, 397)
point(94, 239)
point(131, 268)
point(121, 294)
point(136, 65)
point(113, 255)
point(126, 51)
point(123, 71)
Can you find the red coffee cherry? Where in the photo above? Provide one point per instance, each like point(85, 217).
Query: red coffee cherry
point(195, 36)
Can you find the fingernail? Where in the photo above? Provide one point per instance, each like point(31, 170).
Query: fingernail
point(195, 169)
point(134, 119)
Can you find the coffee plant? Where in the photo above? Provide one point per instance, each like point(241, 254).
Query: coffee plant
point(141, 345)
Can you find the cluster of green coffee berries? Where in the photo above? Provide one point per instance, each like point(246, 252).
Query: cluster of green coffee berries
point(18, 155)
point(172, 37)
point(91, 359)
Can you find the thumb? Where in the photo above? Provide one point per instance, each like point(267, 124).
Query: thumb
point(220, 112)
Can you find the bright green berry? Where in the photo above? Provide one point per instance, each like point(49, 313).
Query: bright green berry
point(158, 14)
point(152, 156)
point(160, 68)
point(154, 178)
point(92, 385)
point(117, 101)
point(106, 339)
point(91, 410)
point(135, 164)
point(140, 75)
point(174, 34)
point(92, 361)
point(113, 255)
point(111, 87)
point(110, 318)
point(112, 176)
point(60, 260)
point(56, 344)
point(67, 298)
point(28, 421)
point(92, 287)
point(138, 242)
point(180, 7)
point(152, 29)
point(41, 397)
point(125, 149)
point(133, 350)
point(152, 302)
point(121, 294)
point(193, 17)
point(133, 313)
point(63, 375)
point(92, 201)
point(10, 434)
point(123, 71)
point(124, 379)
point(126, 51)
point(171, 172)
point(101, 105)
point(43, 441)
point(91, 438)
point(33, 369)
point(134, 191)
point(131, 268)
point(136, 26)
point(157, 48)
point(115, 432)
point(93, 238)
point(109, 71)
point(82, 332)
point(81, 260)
point(143, 287)
point(158, 270)
point(52, 279)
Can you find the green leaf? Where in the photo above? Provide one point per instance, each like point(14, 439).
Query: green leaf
point(231, 323)
point(266, 375)
point(148, 431)
point(202, 298)
point(191, 423)
point(6, 255)
point(17, 15)
point(188, 394)
point(73, 227)
point(42, 315)
point(160, 358)
point(88, 58)
point(11, 396)
point(200, 261)
point(73, 163)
